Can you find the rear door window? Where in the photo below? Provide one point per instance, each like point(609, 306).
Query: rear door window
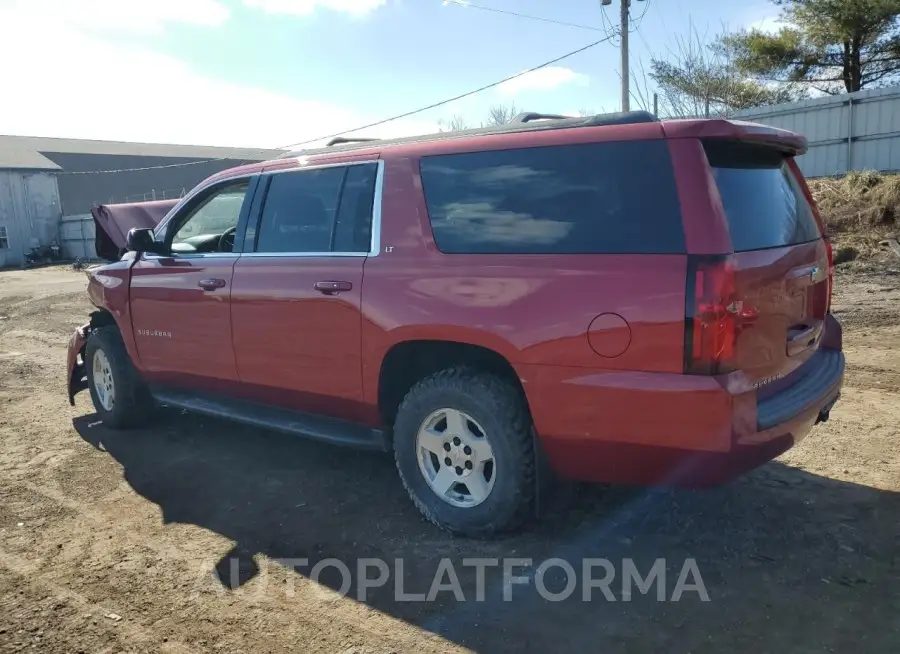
point(298, 215)
point(592, 198)
point(318, 211)
point(353, 228)
point(764, 203)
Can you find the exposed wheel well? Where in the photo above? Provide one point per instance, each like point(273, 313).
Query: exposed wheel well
point(408, 362)
point(102, 318)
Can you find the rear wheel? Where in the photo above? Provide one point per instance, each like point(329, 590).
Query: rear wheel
point(463, 447)
point(120, 397)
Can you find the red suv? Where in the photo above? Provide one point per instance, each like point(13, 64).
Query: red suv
point(613, 298)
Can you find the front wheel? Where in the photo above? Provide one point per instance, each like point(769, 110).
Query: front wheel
point(464, 450)
point(120, 397)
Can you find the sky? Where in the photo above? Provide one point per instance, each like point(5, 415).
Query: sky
point(273, 73)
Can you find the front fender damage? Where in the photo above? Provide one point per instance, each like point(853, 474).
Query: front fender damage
point(77, 373)
point(76, 365)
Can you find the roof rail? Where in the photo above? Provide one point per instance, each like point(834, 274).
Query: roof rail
point(527, 122)
point(340, 140)
point(531, 115)
point(620, 118)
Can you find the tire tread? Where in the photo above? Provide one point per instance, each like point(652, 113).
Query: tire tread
point(134, 405)
point(511, 409)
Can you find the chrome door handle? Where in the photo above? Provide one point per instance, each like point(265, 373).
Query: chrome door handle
point(211, 284)
point(330, 287)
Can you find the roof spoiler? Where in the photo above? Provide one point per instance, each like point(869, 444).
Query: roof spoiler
point(740, 130)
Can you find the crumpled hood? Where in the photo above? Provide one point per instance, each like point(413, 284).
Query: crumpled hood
point(113, 222)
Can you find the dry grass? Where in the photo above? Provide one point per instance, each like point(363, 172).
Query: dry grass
point(860, 210)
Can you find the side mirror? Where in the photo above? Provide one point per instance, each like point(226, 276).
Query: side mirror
point(142, 240)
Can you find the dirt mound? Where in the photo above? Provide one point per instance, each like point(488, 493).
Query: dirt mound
point(860, 210)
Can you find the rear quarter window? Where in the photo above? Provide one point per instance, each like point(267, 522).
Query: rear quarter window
point(593, 198)
point(763, 201)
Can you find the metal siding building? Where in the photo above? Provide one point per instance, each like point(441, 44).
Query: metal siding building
point(856, 131)
point(29, 213)
point(43, 180)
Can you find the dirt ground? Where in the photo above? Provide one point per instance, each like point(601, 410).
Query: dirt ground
point(165, 539)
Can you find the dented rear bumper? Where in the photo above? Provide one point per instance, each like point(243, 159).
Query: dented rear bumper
point(77, 374)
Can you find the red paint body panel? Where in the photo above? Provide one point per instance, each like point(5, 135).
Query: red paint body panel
point(665, 461)
point(180, 329)
point(597, 341)
point(776, 286)
point(464, 298)
point(705, 226)
point(294, 345)
point(109, 289)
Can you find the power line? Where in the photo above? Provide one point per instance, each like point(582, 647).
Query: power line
point(640, 34)
point(367, 126)
point(637, 22)
point(457, 97)
point(608, 28)
point(469, 5)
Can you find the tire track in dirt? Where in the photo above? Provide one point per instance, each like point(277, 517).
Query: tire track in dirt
point(869, 377)
point(29, 573)
point(101, 526)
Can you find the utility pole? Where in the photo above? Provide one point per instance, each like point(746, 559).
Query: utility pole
point(624, 15)
point(626, 71)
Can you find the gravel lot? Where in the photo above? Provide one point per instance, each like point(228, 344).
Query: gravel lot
point(165, 539)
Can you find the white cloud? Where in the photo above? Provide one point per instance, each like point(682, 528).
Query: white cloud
point(124, 15)
point(306, 7)
point(769, 24)
point(79, 85)
point(543, 79)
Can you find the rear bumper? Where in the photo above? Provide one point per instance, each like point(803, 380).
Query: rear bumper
point(669, 429)
point(76, 377)
point(821, 382)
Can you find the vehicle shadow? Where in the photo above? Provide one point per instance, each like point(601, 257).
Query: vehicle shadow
point(790, 561)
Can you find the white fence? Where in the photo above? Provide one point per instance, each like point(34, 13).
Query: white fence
point(857, 131)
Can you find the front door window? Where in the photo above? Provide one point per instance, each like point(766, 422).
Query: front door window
point(210, 227)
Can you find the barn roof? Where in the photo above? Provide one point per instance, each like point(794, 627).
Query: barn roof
point(31, 152)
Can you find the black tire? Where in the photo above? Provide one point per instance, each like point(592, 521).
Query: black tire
point(132, 404)
point(500, 409)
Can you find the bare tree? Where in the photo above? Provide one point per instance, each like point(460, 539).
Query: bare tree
point(456, 123)
point(500, 114)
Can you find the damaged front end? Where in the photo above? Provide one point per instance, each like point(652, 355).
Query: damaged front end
point(107, 290)
point(75, 362)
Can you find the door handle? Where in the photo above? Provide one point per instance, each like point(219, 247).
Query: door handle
point(802, 337)
point(330, 288)
point(211, 284)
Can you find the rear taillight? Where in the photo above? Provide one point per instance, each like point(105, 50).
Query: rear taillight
point(829, 251)
point(711, 314)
